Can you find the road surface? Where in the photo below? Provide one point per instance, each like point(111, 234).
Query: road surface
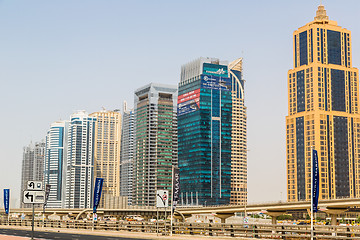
point(14, 234)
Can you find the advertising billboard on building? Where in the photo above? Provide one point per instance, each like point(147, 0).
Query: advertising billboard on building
point(216, 83)
point(189, 96)
point(215, 70)
point(189, 102)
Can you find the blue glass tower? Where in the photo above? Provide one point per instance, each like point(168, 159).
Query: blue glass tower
point(55, 162)
point(204, 132)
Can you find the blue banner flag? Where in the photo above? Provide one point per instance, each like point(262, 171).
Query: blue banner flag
point(315, 183)
point(6, 200)
point(97, 192)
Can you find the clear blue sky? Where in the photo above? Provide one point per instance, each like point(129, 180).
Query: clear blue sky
point(60, 56)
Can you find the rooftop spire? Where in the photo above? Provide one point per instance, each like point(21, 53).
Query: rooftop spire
point(321, 13)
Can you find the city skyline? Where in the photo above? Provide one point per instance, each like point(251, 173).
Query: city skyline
point(71, 67)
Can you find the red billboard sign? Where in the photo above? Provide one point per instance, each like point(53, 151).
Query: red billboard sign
point(189, 96)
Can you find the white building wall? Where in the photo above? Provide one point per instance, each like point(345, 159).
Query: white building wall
point(127, 154)
point(80, 161)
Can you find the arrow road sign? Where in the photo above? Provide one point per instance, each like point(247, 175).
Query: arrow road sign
point(34, 197)
point(34, 185)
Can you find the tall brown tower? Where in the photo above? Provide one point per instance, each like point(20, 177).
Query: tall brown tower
point(323, 111)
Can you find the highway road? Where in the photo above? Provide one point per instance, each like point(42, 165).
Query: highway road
point(38, 235)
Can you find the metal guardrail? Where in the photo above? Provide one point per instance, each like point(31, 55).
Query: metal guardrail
point(289, 232)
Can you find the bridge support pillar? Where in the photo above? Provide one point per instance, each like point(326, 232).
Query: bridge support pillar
point(274, 214)
point(273, 220)
point(224, 216)
point(333, 219)
point(333, 212)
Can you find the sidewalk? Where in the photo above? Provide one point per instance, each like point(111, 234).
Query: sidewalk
point(116, 234)
point(8, 237)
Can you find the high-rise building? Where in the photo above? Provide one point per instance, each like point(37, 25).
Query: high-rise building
point(127, 153)
point(323, 112)
point(155, 141)
point(107, 152)
point(80, 161)
point(212, 133)
point(55, 163)
point(238, 135)
point(32, 167)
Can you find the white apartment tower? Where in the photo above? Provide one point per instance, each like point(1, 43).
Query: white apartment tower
point(80, 161)
point(127, 153)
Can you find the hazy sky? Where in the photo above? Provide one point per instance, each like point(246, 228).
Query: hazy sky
point(60, 56)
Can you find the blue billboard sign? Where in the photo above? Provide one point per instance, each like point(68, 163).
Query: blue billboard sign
point(189, 102)
point(216, 83)
point(188, 107)
point(6, 200)
point(215, 70)
point(97, 192)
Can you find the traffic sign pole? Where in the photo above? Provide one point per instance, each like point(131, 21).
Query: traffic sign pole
point(32, 222)
point(34, 194)
point(165, 220)
point(157, 221)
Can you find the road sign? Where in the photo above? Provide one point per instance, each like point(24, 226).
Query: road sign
point(162, 198)
point(34, 197)
point(34, 185)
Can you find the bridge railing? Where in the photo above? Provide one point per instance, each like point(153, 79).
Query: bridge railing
point(290, 232)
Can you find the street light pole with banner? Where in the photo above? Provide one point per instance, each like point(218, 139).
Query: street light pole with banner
point(97, 196)
point(314, 187)
point(47, 193)
point(7, 202)
point(175, 193)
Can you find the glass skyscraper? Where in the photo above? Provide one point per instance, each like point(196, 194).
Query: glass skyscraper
point(55, 163)
point(205, 130)
point(155, 141)
point(323, 112)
